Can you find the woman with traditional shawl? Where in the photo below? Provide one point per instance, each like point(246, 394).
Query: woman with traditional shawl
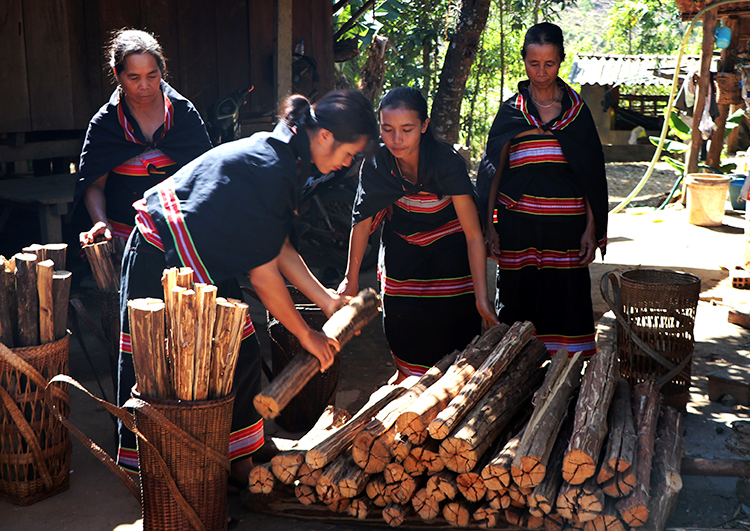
point(230, 212)
point(543, 190)
point(433, 262)
point(145, 133)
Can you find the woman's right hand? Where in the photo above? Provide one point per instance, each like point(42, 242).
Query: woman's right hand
point(492, 242)
point(321, 346)
point(100, 228)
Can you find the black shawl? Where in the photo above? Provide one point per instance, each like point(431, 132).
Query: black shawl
point(110, 142)
point(574, 129)
point(381, 183)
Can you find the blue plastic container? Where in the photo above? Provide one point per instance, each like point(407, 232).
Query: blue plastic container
point(734, 192)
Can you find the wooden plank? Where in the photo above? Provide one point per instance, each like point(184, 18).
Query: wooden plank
point(282, 73)
point(37, 150)
point(85, 96)
point(114, 15)
point(15, 114)
point(261, 46)
point(321, 38)
point(232, 53)
point(197, 30)
point(48, 60)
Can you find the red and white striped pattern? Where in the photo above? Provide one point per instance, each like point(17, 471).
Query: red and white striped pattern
point(423, 203)
point(536, 151)
point(138, 166)
point(541, 259)
point(545, 206)
point(425, 238)
point(449, 287)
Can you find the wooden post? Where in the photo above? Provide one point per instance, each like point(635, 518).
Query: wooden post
point(61, 281)
point(44, 272)
point(341, 326)
point(28, 300)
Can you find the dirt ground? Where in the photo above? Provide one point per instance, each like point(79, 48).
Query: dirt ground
point(97, 501)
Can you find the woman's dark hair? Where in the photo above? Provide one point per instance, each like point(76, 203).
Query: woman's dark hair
point(345, 113)
point(544, 33)
point(432, 150)
point(126, 42)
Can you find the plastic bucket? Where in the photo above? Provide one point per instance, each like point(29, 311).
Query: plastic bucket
point(706, 198)
point(735, 187)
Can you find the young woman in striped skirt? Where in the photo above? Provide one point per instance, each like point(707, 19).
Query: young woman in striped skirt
point(432, 266)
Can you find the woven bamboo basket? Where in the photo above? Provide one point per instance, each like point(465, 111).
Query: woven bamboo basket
point(655, 312)
point(728, 88)
point(201, 481)
point(35, 448)
point(305, 408)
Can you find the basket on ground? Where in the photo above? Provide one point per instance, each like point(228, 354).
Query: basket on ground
point(35, 448)
point(655, 312)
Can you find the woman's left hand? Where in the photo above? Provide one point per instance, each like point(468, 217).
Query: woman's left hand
point(587, 252)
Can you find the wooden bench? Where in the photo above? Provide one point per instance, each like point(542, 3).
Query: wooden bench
point(51, 196)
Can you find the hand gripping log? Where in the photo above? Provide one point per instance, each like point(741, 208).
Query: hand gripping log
point(342, 326)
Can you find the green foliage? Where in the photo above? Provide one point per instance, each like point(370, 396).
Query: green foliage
point(643, 26)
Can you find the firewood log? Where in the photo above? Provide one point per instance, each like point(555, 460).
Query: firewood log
point(57, 252)
point(231, 315)
point(494, 365)
point(327, 488)
point(620, 449)
point(305, 494)
point(359, 508)
point(499, 500)
point(185, 355)
point(384, 421)
point(427, 507)
point(185, 278)
point(261, 479)
point(239, 318)
point(285, 465)
point(457, 513)
point(530, 463)
point(339, 505)
point(395, 513)
point(6, 328)
point(553, 522)
point(400, 447)
point(146, 317)
point(634, 509)
point(431, 459)
point(582, 502)
point(621, 484)
point(544, 495)
point(496, 474)
point(400, 486)
point(308, 476)
point(413, 422)
point(666, 482)
point(519, 495)
point(353, 482)
point(590, 428)
point(342, 326)
point(61, 282)
point(471, 486)
point(44, 271)
point(442, 486)
point(326, 450)
point(206, 318)
point(608, 520)
point(413, 464)
point(486, 517)
point(521, 517)
point(28, 301)
point(377, 492)
point(169, 282)
point(476, 433)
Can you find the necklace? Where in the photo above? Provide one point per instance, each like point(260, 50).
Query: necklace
point(557, 98)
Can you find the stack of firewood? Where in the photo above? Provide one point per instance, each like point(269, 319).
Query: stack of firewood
point(472, 444)
point(105, 257)
point(186, 346)
point(34, 293)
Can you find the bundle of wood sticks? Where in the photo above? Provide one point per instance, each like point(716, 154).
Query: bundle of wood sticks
point(105, 257)
point(489, 437)
point(186, 346)
point(34, 293)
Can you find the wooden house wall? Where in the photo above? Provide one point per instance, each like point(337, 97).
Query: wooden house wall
point(52, 65)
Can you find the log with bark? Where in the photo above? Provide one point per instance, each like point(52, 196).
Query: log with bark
point(305, 494)
point(377, 492)
point(308, 476)
point(400, 486)
point(608, 520)
point(360, 508)
point(530, 463)
point(327, 488)
point(6, 294)
point(146, 317)
point(476, 433)
point(619, 453)
point(634, 509)
point(44, 273)
point(590, 425)
point(493, 366)
point(621, 484)
point(442, 486)
point(395, 513)
point(666, 481)
point(28, 300)
point(580, 503)
point(401, 447)
point(57, 252)
point(413, 422)
point(342, 326)
point(486, 516)
point(61, 282)
point(104, 263)
point(339, 505)
point(499, 500)
point(521, 517)
point(261, 479)
point(369, 451)
point(519, 496)
point(426, 507)
point(496, 474)
point(458, 513)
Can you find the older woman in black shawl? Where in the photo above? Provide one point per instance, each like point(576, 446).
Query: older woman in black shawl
point(543, 193)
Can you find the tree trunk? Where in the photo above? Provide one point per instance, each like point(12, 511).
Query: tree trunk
point(446, 109)
point(490, 370)
point(530, 464)
point(590, 427)
point(621, 438)
point(707, 49)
